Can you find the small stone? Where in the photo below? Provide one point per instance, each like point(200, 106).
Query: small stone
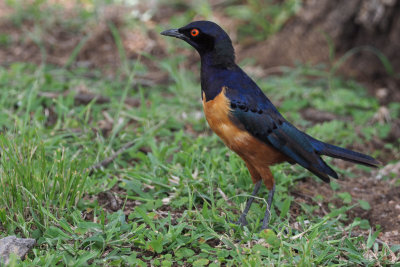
point(18, 246)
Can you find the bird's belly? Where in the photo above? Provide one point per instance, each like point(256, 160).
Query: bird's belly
point(232, 136)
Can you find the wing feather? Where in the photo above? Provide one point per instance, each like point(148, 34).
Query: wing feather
point(261, 119)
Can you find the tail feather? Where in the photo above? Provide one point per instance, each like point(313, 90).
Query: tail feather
point(323, 171)
point(349, 155)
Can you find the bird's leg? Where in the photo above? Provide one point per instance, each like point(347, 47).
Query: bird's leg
point(242, 219)
point(268, 211)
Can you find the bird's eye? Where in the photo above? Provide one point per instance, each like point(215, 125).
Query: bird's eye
point(194, 32)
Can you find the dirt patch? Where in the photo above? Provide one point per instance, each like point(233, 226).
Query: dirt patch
point(320, 116)
point(91, 43)
point(114, 200)
point(111, 201)
point(4, 9)
point(382, 195)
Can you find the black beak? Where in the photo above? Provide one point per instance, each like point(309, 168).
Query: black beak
point(174, 33)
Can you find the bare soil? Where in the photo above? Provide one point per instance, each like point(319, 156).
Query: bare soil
point(382, 195)
point(59, 41)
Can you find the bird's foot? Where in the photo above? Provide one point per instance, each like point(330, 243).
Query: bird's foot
point(267, 215)
point(264, 226)
point(241, 222)
point(265, 222)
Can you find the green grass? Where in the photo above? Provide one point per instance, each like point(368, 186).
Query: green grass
point(179, 188)
point(180, 215)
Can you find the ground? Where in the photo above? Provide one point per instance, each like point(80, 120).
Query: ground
point(168, 198)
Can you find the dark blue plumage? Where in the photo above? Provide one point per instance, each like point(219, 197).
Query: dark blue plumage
point(246, 120)
point(255, 112)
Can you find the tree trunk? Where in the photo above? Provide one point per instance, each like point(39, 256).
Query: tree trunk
point(364, 32)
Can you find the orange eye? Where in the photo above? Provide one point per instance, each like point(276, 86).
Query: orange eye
point(194, 32)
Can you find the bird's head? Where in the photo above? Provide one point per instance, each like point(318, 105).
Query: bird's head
point(209, 39)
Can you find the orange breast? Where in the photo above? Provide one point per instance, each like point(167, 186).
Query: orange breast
point(216, 112)
point(257, 154)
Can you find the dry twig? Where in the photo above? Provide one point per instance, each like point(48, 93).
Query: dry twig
point(111, 158)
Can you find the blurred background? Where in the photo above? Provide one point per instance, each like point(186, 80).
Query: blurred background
point(81, 79)
point(357, 38)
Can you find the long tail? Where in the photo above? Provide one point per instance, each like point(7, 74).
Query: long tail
point(345, 154)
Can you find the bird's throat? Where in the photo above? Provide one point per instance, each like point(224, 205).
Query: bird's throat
point(213, 68)
point(222, 54)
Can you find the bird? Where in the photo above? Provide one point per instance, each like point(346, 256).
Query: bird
point(248, 123)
